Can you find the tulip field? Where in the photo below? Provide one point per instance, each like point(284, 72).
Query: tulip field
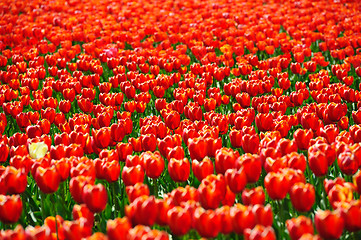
point(180, 119)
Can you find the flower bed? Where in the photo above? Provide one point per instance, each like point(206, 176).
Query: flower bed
point(180, 119)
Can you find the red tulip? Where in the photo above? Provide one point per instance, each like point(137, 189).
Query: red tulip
point(76, 187)
point(236, 179)
point(95, 197)
point(4, 149)
point(263, 214)
point(302, 138)
point(10, 208)
point(15, 179)
point(179, 169)
point(235, 137)
point(225, 159)
point(212, 191)
point(302, 196)
point(102, 137)
point(124, 150)
point(253, 196)
point(318, 163)
point(243, 218)
point(260, 232)
point(340, 194)
point(329, 224)
point(76, 229)
point(55, 225)
point(83, 212)
point(153, 164)
point(117, 132)
point(132, 175)
point(172, 120)
point(277, 185)
point(224, 213)
point(197, 148)
point(48, 179)
point(149, 142)
point(207, 222)
point(111, 170)
point(142, 210)
point(299, 226)
point(264, 121)
point(252, 166)
point(64, 106)
point(202, 169)
point(118, 228)
point(139, 189)
point(348, 163)
point(351, 213)
point(179, 220)
point(250, 143)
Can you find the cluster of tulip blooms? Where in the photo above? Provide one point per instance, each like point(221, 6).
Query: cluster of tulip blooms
point(180, 119)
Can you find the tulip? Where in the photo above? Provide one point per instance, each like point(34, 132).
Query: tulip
point(118, 228)
point(111, 170)
point(250, 143)
point(48, 179)
point(253, 196)
point(76, 186)
point(236, 179)
point(153, 164)
point(302, 138)
point(277, 185)
point(212, 191)
point(302, 196)
point(225, 159)
point(124, 150)
point(329, 224)
point(83, 212)
point(348, 163)
point(197, 148)
point(263, 214)
point(318, 163)
point(10, 208)
point(149, 142)
point(15, 180)
point(102, 137)
point(299, 226)
point(202, 169)
point(260, 232)
point(132, 175)
point(179, 169)
point(139, 189)
point(207, 222)
point(95, 197)
point(143, 210)
point(224, 213)
point(4, 149)
point(179, 220)
point(76, 229)
point(243, 218)
point(252, 166)
point(54, 224)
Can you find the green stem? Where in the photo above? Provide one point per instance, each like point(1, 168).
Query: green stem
point(282, 218)
point(320, 181)
point(56, 221)
point(42, 196)
point(155, 187)
point(115, 199)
